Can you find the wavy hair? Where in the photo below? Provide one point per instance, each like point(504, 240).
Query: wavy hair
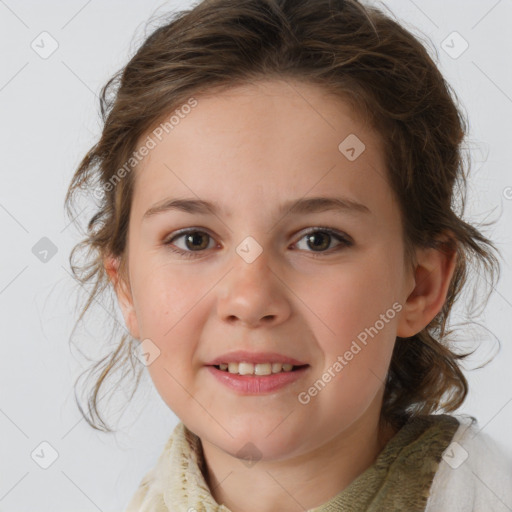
point(357, 52)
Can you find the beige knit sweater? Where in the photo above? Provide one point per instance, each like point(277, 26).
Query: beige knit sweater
point(399, 479)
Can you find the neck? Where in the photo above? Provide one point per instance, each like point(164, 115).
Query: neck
point(308, 480)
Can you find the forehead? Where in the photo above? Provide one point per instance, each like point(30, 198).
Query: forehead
point(263, 142)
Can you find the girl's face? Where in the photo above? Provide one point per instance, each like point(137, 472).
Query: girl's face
point(260, 276)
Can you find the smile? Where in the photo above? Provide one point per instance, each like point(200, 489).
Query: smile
point(245, 368)
point(254, 384)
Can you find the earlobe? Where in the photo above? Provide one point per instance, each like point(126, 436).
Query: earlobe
point(123, 293)
point(432, 277)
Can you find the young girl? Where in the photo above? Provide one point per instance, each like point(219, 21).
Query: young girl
point(277, 182)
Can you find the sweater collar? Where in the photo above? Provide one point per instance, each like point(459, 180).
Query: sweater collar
point(399, 479)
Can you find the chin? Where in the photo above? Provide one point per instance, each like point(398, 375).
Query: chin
point(264, 441)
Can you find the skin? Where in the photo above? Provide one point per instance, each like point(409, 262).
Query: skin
point(270, 145)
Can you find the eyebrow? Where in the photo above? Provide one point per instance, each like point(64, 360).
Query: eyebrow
point(300, 206)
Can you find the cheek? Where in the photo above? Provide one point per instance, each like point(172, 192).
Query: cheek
point(358, 313)
point(164, 296)
point(356, 360)
point(170, 383)
point(167, 311)
point(352, 299)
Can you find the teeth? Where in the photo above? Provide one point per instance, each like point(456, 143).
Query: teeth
point(263, 369)
point(255, 369)
point(276, 367)
point(245, 368)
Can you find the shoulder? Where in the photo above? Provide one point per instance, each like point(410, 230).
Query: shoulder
point(474, 474)
point(149, 496)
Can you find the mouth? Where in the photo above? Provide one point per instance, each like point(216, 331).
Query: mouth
point(257, 379)
point(257, 369)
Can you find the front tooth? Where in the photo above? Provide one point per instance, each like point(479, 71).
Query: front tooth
point(245, 368)
point(276, 367)
point(262, 369)
point(233, 367)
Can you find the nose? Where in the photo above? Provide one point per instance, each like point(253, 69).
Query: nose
point(253, 294)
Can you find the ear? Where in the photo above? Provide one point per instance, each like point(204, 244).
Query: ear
point(123, 293)
point(431, 280)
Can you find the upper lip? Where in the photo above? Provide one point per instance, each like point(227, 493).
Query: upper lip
point(242, 356)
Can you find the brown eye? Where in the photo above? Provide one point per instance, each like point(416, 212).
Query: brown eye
point(195, 241)
point(319, 240)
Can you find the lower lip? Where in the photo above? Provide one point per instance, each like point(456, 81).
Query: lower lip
point(257, 384)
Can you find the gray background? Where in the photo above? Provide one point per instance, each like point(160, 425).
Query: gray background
point(49, 119)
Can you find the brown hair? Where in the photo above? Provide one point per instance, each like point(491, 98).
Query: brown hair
point(354, 51)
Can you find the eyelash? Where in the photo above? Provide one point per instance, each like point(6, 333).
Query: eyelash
point(344, 242)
